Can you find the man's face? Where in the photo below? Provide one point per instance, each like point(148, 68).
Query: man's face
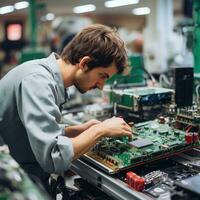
point(90, 79)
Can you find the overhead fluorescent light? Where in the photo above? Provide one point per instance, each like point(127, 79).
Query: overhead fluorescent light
point(84, 8)
point(21, 5)
point(117, 3)
point(6, 9)
point(141, 11)
point(50, 16)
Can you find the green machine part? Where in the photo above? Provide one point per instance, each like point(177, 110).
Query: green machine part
point(33, 22)
point(32, 52)
point(135, 75)
point(196, 47)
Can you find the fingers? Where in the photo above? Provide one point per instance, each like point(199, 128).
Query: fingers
point(116, 127)
point(128, 128)
point(125, 126)
point(128, 134)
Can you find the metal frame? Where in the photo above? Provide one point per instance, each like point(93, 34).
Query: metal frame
point(108, 184)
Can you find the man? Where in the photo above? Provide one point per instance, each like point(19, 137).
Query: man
point(32, 94)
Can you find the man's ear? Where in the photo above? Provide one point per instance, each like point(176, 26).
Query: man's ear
point(83, 63)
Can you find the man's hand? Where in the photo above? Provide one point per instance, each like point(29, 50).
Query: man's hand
point(114, 127)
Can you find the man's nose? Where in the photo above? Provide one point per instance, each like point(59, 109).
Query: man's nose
point(100, 84)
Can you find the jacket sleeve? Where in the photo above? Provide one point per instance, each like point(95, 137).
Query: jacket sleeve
point(36, 103)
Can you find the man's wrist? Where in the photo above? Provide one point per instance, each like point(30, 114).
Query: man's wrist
point(71, 130)
point(98, 130)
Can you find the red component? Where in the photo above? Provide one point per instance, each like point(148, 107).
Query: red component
point(189, 138)
point(195, 137)
point(139, 184)
point(134, 181)
point(130, 176)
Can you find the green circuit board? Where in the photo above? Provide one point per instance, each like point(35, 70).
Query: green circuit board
point(151, 140)
point(15, 183)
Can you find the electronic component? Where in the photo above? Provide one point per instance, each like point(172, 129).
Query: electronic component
point(151, 140)
point(159, 183)
point(134, 181)
point(140, 183)
point(188, 116)
point(187, 189)
point(118, 187)
point(155, 177)
point(158, 190)
point(141, 143)
point(179, 172)
point(195, 165)
point(137, 98)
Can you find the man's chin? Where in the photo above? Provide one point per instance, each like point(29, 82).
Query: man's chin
point(84, 90)
point(81, 90)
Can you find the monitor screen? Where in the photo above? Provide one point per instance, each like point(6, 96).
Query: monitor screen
point(14, 32)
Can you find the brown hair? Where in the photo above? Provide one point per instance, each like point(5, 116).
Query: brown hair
point(101, 43)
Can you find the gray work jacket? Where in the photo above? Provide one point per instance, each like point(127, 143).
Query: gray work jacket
point(30, 98)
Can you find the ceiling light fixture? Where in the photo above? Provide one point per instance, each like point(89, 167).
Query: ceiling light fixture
point(21, 5)
point(117, 3)
point(6, 9)
point(141, 11)
point(84, 8)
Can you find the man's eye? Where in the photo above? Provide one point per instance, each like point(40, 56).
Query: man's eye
point(102, 76)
